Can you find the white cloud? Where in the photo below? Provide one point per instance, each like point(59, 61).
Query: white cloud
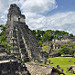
point(34, 11)
point(27, 6)
point(38, 6)
point(60, 21)
point(4, 4)
point(35, 20)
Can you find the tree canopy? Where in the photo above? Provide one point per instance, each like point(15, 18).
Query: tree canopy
point(67, 49)
point(3, 37)
point(48, 35)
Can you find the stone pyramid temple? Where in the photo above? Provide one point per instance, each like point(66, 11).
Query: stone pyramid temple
point(23, 44)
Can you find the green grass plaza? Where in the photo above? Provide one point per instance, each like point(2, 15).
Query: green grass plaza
point(63, 62)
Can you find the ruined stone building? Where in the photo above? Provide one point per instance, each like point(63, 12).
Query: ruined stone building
point(58, 43)
point(10, 65)
point(36, 69)
point(22, 42)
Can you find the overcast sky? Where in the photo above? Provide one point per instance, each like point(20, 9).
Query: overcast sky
point(44, 14)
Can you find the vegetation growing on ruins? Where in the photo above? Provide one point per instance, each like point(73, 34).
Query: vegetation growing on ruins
point(48, 35)
point(3, 37)
point(45, 38)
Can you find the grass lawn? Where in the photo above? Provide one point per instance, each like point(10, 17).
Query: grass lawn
point(63, 62)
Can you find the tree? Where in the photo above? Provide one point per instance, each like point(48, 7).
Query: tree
point(3, 37)
point(46, 37)
point(66, 49)
point(71, 35)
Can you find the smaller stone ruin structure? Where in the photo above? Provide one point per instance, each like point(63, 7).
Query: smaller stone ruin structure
point(56, 43)
point(36, 69)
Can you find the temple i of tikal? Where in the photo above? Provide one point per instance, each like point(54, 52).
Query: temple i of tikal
point(23, 44)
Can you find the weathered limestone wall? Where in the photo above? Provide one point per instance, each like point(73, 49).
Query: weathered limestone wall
point(63, 40)
point(30, 42)
point(16, 18)
point(57, 43)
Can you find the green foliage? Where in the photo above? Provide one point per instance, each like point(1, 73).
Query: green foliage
point(58, 34)
point(3, 37)
point(71, 35)
point(64, 50)
point(48, 35)
point(3, 28)
point(74, 54)
point(34, 33)
point(6, 45)
point(67, 49)
point(45, 48)
point(40, 43)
